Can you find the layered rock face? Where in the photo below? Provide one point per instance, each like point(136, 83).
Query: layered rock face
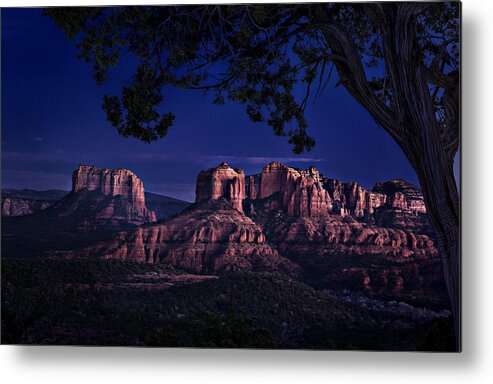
point(422, 276)
point(296, 221)
point(405, 207)
point(222, 181)
point(307, 193)
point(323, 223)
point(208, 238)
point(21, 207)
point(352, 199)
point(299, 192)
point(344, 252)
point(276, 177)
point(113, 183)
point(23, 202)
point(412, 194)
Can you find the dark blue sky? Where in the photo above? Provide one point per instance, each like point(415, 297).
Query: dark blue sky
point(52, 121)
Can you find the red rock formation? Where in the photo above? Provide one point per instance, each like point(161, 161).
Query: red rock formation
point(22, 207)
point(352, 198)
point(202, 240)
point(276, 177)
point(308, 198)
point(315, 222)
point(222, 181)
point(119, 182)
point(111, 183)
point(301, 192)
point(318, 222)
point(23, 202)
point(334, 235)
point(397, 201)
point(412, 194)
point(346, 253)
point(411, 276)
point(252, 184)
point(404, 208)
point(307, 193)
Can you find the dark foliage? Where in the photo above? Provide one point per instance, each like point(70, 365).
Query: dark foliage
point(255, 55)
point(75, 302)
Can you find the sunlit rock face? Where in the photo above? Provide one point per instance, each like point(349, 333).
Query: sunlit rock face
point(120, 183)
point(222, 181)
point(352, 199)
point(208, 237)
point(330, 227)
point(300, 192)
point(307, 193)
point(295, 221)
point(412, 195)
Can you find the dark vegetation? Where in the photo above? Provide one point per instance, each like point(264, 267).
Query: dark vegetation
point(45, 234)
point(53, 301)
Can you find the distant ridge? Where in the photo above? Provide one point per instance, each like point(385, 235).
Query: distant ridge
point(163, 206)
point(102, 201)
point(28, 201)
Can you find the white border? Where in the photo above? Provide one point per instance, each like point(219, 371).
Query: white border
point(474, 365)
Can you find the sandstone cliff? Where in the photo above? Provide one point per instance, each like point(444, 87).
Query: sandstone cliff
point(284, 218)
point(222, 181)
point(122, 183)
point(330, 227)
point(412, 194)
point(307, 193)
point(299, 192)
point(209, 237)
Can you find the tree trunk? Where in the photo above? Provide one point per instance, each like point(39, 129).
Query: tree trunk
point(423, 142)
point(411, 122)
point(442, 206)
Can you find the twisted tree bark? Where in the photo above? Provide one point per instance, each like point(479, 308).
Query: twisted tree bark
point(412, 122)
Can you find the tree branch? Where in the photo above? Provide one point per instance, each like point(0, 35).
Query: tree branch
point(352, 75)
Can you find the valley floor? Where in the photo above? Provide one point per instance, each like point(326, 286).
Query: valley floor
point(111, 302)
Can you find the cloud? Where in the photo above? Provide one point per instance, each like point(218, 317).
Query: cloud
point(37, 138)
point(152, 157)
point(262, 160)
